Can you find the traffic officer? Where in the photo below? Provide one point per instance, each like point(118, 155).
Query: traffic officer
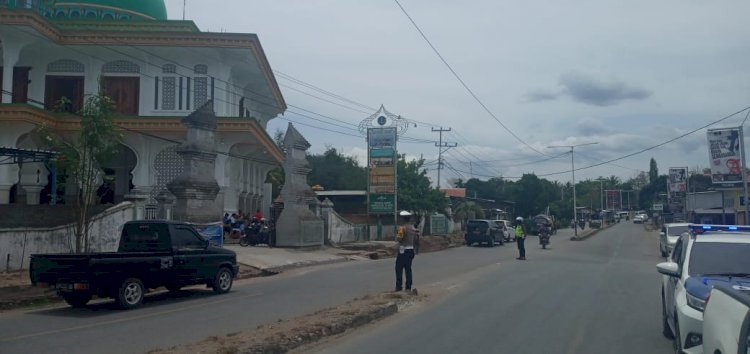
point(407, 236)
point(520, 238)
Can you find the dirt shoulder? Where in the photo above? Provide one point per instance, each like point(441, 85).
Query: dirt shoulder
point(289, 334)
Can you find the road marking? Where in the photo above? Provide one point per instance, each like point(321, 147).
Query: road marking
point(120, 320)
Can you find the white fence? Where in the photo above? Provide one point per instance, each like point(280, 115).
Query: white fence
point(17, 244)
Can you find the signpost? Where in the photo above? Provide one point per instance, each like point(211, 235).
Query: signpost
point(382, 129)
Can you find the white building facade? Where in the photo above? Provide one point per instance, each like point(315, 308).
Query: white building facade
point(157, 71)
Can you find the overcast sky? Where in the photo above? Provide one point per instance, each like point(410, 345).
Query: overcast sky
point(626, 74)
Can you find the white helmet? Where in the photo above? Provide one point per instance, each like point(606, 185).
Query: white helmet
point(519, 219)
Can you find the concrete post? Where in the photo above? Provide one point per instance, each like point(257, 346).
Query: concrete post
point(32, 194)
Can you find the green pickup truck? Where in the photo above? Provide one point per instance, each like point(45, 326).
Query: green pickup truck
point(151, 254)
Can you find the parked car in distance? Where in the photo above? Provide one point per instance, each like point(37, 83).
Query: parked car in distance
point(726, 319)
point(706, 256)
point(482, 231)
point(151, 254)
point(640, 219)
point(669, 235)
point(506, 231)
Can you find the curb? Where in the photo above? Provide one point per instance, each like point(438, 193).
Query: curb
point(281, 268)
point(591, 233)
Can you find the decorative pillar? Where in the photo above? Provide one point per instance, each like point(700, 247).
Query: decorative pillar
point(166, 202)
point(196, 189)
point(297, 225)
point(32, 194)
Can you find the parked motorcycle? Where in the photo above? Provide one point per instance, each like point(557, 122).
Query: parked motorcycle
point(256, 233)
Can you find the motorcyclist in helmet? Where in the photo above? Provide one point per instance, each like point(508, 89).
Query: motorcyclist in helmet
point(520, 234)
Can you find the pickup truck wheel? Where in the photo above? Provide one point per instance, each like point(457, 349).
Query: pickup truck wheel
point(130, 293)
point(77, 300)
point(222, 281)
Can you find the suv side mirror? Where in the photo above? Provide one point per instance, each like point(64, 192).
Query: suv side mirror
point(668, 268)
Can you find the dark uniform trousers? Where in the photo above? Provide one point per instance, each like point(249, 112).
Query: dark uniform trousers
point(403, 265)
point(521, 248)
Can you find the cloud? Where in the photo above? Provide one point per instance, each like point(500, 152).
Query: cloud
point(541, 95)
point(587, 90)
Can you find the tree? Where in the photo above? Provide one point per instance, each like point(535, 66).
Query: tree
point(415, 191)
point(467, 210)
point(653, 171)
point(82, 156)
point(336, 171)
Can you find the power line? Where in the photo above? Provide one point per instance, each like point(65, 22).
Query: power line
point(455, 74)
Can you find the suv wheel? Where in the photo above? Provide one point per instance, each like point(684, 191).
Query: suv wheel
point(491, 242)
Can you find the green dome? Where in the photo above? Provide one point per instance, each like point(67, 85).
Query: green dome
point(111, 9)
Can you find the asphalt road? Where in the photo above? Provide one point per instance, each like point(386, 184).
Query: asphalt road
point(600, 295)
point(596, 296)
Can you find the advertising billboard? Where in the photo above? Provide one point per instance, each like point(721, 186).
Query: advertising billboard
point(677, 188)
point(724, 149)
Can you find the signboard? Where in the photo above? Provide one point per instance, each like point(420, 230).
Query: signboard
point(381, 137)
point(214, 233)
point(677, 189)
point(382, 203)
point(657, 207)
point(678, 179)
point(381, 165)
point(724, 150)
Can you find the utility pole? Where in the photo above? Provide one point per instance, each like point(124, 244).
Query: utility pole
point(183, 9)
point(442, 147)
point(573, 171)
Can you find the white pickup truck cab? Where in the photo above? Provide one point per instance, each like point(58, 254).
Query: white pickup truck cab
point(726, 320)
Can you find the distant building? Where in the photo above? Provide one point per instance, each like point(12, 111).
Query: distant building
point(157, 71)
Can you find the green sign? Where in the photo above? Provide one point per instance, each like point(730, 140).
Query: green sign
point(382, 203)
point(386, 152)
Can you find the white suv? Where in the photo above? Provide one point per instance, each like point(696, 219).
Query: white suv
point(709, 254)
point(669, 235)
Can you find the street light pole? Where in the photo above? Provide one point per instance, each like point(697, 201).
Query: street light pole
point(573, 171)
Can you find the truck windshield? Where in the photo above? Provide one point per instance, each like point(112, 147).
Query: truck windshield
point(715, 258)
